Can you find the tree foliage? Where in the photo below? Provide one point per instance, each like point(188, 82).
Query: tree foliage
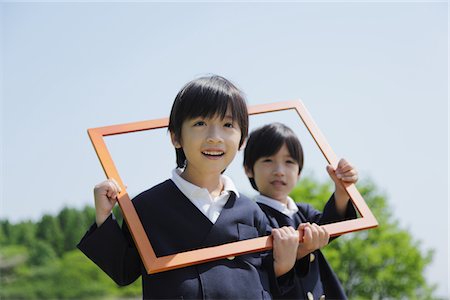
point(40, 260)
point(381, 263)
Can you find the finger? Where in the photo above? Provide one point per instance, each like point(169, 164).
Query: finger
point(300, 235)
point(116, 185)
point(352, 178)
point(327, 236)
point(345, 168)
point(302, 226)
point(315, 229)
point(293, 233)
point(307, 235)
point(291, 230)
point(111, 195)
point(110, 192)
point(332, 174)
point(276, 234)
point(342, 163)
point(320, 231)
point(301, 232)
point(323, 236)
point(287, 232)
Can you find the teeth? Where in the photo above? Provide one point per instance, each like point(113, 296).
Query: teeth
point(212, 152)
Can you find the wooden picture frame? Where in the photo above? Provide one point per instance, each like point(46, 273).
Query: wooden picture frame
point(154, 264)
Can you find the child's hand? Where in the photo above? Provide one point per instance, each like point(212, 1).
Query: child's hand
point(344, 173)
point(105, 195)
point(285, 243)
point(314, 237)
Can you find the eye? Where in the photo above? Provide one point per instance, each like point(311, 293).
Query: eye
point(200, 123)
point(291, 161)
point(229, 125)
point(266, 160)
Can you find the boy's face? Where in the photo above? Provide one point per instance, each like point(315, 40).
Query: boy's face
point(276, 175)
point(210, 144)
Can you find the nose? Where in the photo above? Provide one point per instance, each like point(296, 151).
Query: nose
point(214, 135)
point(278, 170)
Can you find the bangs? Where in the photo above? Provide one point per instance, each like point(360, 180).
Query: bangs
point(209, 102)
point(209, 97)
point(268, 140)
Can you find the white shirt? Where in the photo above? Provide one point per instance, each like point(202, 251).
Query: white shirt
point(289, 210)
point(201, 197)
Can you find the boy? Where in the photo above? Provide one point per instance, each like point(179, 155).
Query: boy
point(198, 207)
point(273, 159)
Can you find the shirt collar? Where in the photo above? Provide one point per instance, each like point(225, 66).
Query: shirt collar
point(190, 189)
point(289, 210)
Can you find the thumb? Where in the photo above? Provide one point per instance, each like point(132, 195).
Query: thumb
point(338, 182)
point(332, 174)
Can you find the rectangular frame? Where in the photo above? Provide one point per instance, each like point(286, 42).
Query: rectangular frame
point(154, 264)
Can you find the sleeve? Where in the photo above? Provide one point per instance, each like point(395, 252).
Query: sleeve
point(302, 266)
point(113, 250)
point(329, 214)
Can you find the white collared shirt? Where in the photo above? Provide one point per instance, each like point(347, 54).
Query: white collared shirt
point(289, 210)
point(201, 198)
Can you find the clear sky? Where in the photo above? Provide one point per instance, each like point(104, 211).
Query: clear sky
point(373, 75)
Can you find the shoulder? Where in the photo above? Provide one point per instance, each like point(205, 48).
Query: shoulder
point(307, 210)
point(248, 206)
point(164, 188)
point(245, 201)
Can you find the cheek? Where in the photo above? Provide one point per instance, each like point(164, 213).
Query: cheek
point(295, 177)
point(261, 173)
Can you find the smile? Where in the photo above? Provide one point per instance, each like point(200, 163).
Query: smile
point(213, 153)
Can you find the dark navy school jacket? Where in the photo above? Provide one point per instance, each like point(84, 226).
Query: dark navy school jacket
point(173, 224)
point(314, 275)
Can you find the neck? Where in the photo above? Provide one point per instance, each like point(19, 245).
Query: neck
point(209, 181)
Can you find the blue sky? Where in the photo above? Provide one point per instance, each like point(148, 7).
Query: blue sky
point(373, 75)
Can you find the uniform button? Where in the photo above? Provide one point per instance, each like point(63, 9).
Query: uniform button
point(322, 297)
point(312, 257)
point(310, 296)
point(230, 257)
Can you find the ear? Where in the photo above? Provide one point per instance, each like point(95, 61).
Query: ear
point(248, 172)
point(175, 141)
point(244, 143)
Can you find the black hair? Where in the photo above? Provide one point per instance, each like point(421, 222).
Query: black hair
point(207, 97)
point(268, 140)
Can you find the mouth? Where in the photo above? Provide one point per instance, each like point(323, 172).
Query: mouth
point(278, 183)
point(213, 153)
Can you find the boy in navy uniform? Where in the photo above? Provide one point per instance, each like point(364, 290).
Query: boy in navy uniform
point(273, 160)
point(198, 207)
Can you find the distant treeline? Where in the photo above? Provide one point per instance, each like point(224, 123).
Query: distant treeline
point(39, 260)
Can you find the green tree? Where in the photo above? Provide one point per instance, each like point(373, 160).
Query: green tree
point(73, 224)
point(381, 263)
point(49, 231)
point(5, 232)
point(23, 233)
point(40, 254)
